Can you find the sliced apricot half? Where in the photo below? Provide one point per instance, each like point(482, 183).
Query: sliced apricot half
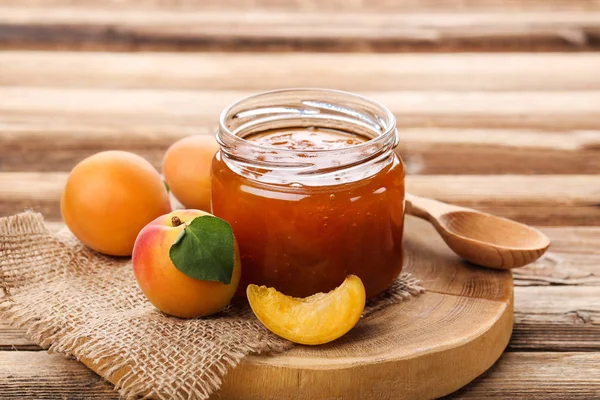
point(317, 319)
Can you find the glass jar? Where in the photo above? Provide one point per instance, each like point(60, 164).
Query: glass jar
point(304, 219)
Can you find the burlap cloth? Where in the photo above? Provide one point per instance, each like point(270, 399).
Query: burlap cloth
point(75, 301)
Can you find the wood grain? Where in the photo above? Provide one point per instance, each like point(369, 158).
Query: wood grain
point(536, 200)
point(552, 111)
point(538, 375)
point(266, 71)
point(48, 377)
point(522, 375)
point(499, 151)
point(298, 375)
point(304, 377)
point(92, 27)
point(58, 145)
point(45, 128)
point(330, 5)
point(15, 339)
point(498, 132)
point(573, 259)
point(557, 317)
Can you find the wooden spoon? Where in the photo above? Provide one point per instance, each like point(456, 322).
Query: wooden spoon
point(478, 237)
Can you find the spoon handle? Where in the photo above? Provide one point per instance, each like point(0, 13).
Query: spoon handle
point(427, 209)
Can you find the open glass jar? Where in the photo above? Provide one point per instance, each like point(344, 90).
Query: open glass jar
point(305, 217)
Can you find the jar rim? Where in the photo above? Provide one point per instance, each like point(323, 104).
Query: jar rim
point(390, 127)
point(308, 108)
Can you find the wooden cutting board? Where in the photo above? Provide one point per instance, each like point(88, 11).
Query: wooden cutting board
point(423, 348)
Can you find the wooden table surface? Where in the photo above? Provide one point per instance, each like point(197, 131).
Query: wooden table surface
point(498, 105)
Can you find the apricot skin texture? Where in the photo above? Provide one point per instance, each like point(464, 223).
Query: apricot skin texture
point(187, 170)
point(167, 288)
point(109, 197)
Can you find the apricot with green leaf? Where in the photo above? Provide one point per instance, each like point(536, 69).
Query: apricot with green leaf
point(187, 263)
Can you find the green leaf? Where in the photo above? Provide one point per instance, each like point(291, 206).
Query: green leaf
point(204, 250)
point(167, 187)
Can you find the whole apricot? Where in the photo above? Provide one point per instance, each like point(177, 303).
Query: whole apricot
point(109, 197)
point(186, 167)
point(164, 285)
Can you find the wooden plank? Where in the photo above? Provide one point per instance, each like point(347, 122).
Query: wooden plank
point(14, 339)
point(538, 375)
point(98, 119)
point(167, 109)
point(59, 145)
point(560, 318)
point(432, 151)
point(518, 375)
point(48, 377)
point(573, 259)
point(537, 200)
point(68, 27)
point(330, 5)
point(26, 138)
point(264, 71)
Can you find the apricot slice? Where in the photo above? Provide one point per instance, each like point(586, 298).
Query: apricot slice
point(317, 319)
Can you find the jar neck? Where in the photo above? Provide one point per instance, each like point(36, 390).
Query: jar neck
point(307, 108)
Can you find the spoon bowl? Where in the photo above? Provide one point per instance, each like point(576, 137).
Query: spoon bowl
point(492, 241)
point(481, 238)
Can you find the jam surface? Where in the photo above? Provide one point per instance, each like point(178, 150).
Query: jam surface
point(307, 239)
point(307, 139)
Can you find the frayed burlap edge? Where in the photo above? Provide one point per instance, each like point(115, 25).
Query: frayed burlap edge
point(86, 340)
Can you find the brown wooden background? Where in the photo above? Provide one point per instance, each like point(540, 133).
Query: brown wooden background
point(498, 104)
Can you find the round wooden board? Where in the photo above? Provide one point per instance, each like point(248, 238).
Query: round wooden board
point(423, 348)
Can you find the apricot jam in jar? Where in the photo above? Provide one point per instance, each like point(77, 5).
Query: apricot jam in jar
point(312, 187)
